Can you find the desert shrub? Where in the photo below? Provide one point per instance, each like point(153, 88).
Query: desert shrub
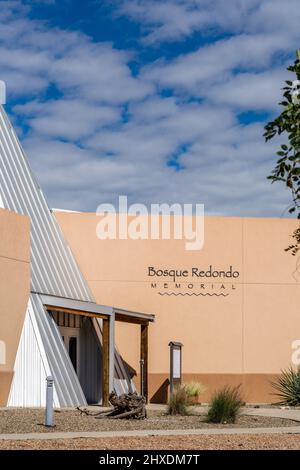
point(225, 405)
point(287, 387)
point(178, 402)
point(194, 389)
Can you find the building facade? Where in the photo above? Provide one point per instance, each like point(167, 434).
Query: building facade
point(234, 304)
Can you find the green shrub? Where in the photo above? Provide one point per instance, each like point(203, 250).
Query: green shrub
point(287, 387)
point(225, 405)
point(194, 389)
point(178, 402)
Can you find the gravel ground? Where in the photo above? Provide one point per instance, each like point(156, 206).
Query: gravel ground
point(31, 420)
point(229, 442)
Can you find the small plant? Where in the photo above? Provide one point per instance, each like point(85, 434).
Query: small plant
point(193, 390)
point(288, 387)
point(225, 405)
point(178, 402)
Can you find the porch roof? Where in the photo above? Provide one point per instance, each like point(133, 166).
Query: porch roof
point(92, 309)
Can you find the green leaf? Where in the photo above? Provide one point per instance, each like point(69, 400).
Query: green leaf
point(287, 124)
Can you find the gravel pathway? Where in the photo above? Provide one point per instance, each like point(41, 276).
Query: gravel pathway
point(31, 421)
point(220, 442)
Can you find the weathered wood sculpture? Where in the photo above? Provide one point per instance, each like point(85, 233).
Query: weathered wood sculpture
point(127, 405)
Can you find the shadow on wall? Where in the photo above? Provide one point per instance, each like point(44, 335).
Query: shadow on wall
point(161, 395)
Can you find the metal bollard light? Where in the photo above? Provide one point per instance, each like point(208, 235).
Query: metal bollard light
point(49, 402)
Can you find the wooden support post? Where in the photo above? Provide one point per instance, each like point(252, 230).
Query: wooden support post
point(105, 362)
point(144, 358)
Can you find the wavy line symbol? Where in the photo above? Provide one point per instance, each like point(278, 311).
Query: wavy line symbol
point(190, 294)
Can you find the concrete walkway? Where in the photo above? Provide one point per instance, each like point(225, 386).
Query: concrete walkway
point(274, 413)
point(148, 432)
point(269, 412)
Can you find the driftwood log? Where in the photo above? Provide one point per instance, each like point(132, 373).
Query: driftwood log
point(125, 406)
point(128, 405)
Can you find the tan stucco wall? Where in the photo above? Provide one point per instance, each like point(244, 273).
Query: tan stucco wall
point(14, 289)
point(243, 337)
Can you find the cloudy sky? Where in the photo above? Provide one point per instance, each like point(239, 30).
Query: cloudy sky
point(163, 101)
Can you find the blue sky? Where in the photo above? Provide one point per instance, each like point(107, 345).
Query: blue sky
point(163, 101)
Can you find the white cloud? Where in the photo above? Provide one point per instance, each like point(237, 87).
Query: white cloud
point(250, 91)
point(69, 60)
point(98, 72)
point(106, 131)
point(172, 20)
point(215, 63)
point(68, 118)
